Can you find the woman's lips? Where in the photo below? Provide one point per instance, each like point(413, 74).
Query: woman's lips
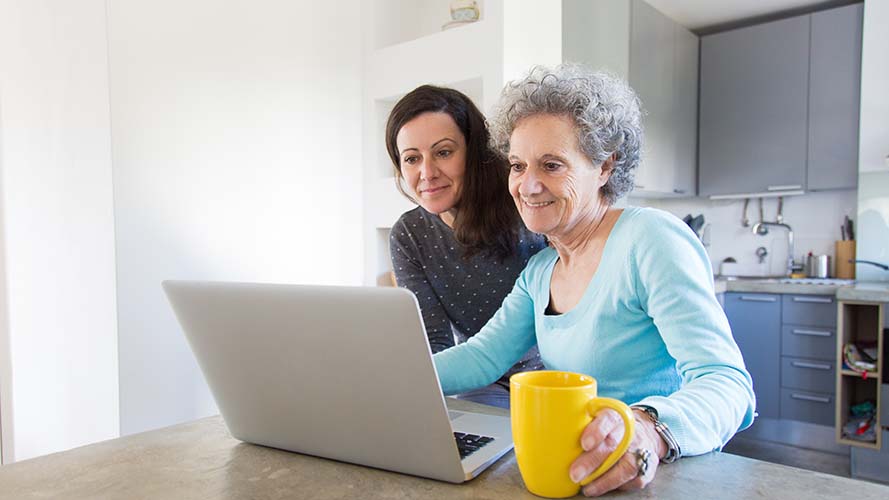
point(536, 205)
point(433, 190)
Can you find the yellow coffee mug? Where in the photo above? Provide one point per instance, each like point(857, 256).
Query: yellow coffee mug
point(549, 411)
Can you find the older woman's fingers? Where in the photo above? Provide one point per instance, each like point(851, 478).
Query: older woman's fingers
point(606, 422)
point(587, 462)
point(623, 472)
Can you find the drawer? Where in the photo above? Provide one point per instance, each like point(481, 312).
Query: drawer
point(808, 374)
point(871, 464)
point(808, 406)
point(810, 310)
point(809, 342)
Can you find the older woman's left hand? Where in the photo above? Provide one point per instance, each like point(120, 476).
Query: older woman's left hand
point(600, 439)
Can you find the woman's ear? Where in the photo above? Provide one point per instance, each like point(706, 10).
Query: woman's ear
point(606, 169)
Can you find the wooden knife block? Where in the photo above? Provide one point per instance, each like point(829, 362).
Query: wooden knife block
point(845, 251)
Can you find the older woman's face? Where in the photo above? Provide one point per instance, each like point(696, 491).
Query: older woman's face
point(432, 153)
point(554, 185)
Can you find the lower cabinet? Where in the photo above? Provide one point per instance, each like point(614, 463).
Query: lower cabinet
point(789, 346)
point(755, 319)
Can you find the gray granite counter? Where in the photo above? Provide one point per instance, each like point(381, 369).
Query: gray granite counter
point(772, 285)
point(200, 460)
point(863, 291)
point(866, 292)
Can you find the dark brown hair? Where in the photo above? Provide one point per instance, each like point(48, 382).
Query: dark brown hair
point(487, 219)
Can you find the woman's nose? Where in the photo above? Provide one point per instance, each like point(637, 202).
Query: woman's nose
point(428, 170)
point(530, 184)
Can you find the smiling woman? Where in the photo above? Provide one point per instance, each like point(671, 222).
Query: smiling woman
point(622, 295)
point(461, 250)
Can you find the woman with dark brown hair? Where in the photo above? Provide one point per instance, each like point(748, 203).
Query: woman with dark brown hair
point(461, 250)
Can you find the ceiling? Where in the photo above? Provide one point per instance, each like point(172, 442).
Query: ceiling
point(702, 14)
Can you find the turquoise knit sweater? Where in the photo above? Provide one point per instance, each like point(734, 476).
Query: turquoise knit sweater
point(648, 328)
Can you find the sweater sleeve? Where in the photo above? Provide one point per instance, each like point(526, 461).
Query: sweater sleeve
point(409, 273)
point(674, 284)
point(487, 355)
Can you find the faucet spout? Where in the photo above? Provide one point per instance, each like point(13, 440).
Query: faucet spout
point(756, 227)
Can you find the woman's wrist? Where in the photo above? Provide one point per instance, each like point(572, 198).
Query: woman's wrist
point(645, 427)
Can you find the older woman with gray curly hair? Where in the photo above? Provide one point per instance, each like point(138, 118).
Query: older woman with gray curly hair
point(623, 295)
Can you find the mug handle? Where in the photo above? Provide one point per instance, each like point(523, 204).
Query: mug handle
point(626, 414)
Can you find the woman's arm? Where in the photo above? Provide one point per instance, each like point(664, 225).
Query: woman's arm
point(674, 283)
point(487, 355)
point(409, 273)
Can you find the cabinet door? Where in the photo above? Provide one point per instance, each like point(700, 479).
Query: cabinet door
point(834, 86)
point(685, 112)
point(755, 319)
point(651, 76)
point(753, 108)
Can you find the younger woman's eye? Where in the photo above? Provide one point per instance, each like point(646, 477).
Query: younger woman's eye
point(409, 160)
point(444, 153)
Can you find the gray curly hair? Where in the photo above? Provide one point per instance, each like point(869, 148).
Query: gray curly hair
point(604, 108)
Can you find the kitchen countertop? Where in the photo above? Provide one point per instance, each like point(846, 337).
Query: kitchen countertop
point(200, 460)
point(864, 291)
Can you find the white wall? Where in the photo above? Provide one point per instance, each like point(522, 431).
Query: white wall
point(60, 388)
point(814, 217)
point(237, 156)
point(873, 152)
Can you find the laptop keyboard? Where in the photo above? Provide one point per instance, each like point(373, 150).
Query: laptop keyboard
point(470, 443)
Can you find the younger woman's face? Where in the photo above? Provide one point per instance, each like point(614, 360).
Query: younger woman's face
point(432, 157)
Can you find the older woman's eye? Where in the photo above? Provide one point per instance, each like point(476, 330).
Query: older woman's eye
point(552, 166)
point(516, 167)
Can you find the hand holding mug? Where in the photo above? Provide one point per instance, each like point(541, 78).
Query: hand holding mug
point(634, 469)
point(550, 411)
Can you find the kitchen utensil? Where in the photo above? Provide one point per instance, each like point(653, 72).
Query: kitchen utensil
point(745, 222)
point(818, 266)
point(696, 224)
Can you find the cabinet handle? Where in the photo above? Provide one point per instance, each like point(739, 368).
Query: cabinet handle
point(679, 191)
point(784, 188)
point(637, 186)
point(812, 333)
point(806, 397)
point(814, 366)
point(754, 298)
point(814, 300)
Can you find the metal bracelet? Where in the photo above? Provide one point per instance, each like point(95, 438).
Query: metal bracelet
point(673, 450)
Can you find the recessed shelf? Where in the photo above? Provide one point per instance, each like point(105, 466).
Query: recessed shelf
point(399, 21)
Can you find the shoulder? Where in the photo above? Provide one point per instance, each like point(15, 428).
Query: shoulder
point(411, 223)
point(644, 220)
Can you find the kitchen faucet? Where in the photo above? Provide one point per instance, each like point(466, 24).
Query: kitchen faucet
point(762, 225)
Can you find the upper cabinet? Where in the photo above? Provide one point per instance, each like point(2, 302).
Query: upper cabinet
point(834, 94)
point(659, 58)
point(779, 105)
point(753, 108)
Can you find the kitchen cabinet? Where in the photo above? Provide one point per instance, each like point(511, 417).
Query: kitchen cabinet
point(755, 319)
point(789, 346)
point(753, 108)
point(779, 107)
point(834, 91)
point(663, 70)
point(659, 58)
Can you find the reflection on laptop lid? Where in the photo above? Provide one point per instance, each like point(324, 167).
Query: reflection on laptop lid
point(338, 372)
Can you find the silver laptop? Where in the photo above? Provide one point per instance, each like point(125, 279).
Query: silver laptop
point(344, 373)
